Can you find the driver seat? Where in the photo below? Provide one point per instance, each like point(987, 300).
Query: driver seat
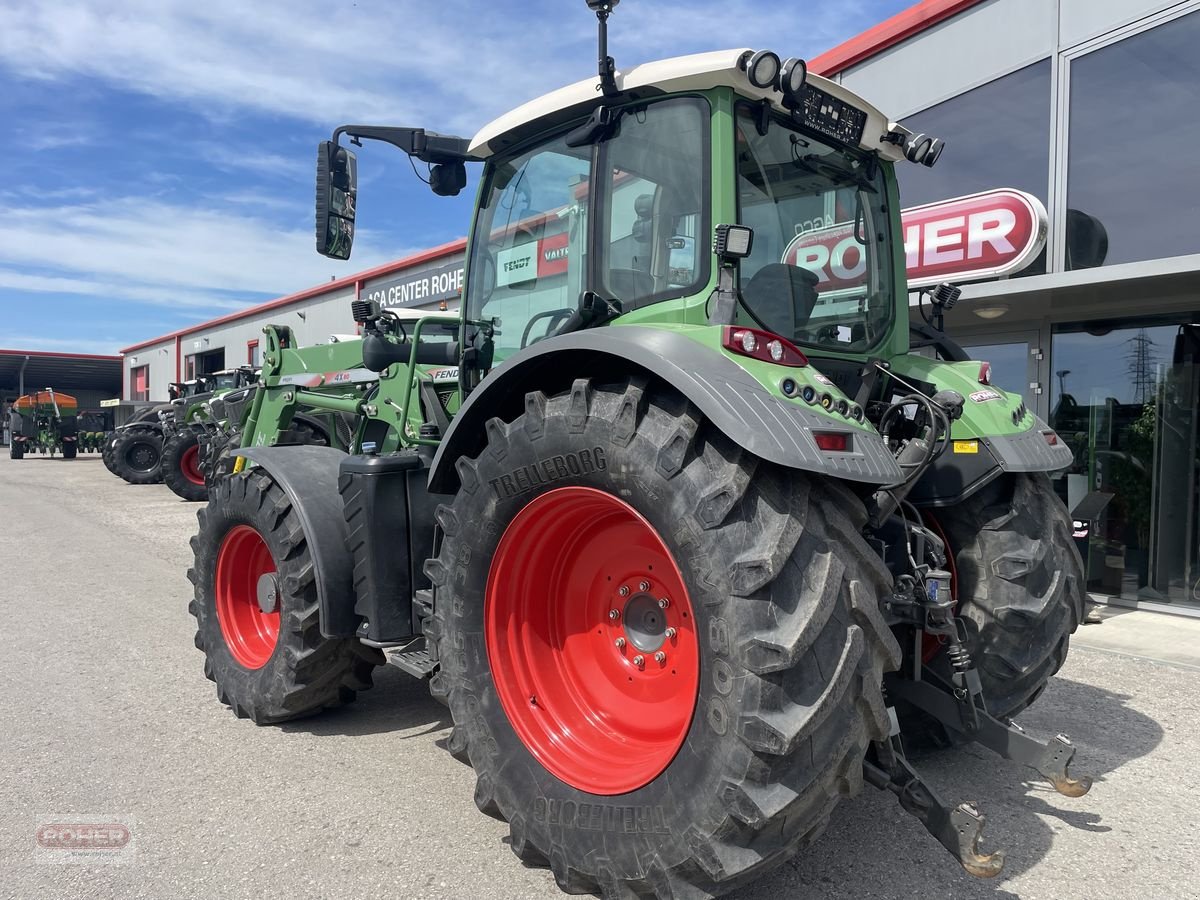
point(782, 297)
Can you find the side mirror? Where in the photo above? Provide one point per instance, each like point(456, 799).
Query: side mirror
point(337, 192)
point(681, 261)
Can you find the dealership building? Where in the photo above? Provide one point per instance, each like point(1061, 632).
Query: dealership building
point(1083, 108)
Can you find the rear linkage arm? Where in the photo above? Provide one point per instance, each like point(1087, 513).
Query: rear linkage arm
point(1052, 759)
point(958, 829)
point(923, 600)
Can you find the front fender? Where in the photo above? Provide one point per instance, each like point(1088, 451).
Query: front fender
point(308, 475)
point(771, 428)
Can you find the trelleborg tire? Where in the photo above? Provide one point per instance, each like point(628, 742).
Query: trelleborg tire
point(181, 469)
point(255, 604)
point(137, 455)
point(1019, 584)
point(676, 776)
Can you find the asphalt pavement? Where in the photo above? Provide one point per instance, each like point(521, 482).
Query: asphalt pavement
point(107, 718)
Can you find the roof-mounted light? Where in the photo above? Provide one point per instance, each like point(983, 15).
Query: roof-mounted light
point(792, 80)
point(924, 149)
point(762, 69)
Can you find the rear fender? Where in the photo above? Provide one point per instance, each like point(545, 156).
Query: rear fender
point(773, 429)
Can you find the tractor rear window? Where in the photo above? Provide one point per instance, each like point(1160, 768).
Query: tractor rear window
point(821, 268)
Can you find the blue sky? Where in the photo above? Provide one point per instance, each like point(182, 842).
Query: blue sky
point(160, 153)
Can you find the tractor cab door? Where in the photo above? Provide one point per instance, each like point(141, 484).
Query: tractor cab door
point(621, 217)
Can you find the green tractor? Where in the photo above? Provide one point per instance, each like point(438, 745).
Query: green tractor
point(44, 422)
point(185, 420)
point(698, 540)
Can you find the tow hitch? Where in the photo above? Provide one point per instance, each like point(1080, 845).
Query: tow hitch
point(957, 828)
point(1051, 759)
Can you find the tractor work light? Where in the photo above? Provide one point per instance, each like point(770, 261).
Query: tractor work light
point(732, 242)
point(762, 345)
point(762, 68)
point(792, 80)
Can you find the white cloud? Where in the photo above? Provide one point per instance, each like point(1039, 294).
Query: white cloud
point(133, 250)
point(451, 64)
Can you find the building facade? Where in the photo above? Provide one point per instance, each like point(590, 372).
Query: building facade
point(430, 280)
point(1082, 104)
point(1085, 105)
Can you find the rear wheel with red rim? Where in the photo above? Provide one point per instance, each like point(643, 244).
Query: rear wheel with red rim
point(611, 523)
point(256, 608)
point(592, 640)
point(1018, 585)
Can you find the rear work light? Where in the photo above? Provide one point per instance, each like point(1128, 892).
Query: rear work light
point(762, 345)
point(832, 440)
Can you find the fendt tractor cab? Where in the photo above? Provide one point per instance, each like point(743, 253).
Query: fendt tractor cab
point(698, 541)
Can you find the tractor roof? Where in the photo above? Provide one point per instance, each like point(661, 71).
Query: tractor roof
point(697, 72)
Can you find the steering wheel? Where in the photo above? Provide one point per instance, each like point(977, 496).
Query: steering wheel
point(556, 316)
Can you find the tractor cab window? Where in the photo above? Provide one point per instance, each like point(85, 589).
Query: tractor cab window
point(529, 247)
point(821, 269)
point(653, 202)
point(530, 256)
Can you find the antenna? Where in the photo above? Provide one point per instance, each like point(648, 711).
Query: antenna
point(608, 66)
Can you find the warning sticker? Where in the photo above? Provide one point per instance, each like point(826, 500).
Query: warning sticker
point(966, 446)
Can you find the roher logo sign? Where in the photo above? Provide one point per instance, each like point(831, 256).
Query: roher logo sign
point(981, 235)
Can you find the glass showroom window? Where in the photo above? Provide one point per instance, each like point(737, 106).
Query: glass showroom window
point(1132, 191)
point(997, 135)
point(1126, 400)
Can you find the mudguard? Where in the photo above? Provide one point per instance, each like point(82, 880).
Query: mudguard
point(956, 476)
point(309, 476)
point(774, 429)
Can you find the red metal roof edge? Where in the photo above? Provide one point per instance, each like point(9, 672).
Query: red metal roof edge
point(387, 268)
point(888, 33)
point(58, 354)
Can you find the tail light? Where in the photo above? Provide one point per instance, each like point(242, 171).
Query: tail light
point(985, 373)
point(832, 440)
point(762, 345)
point(1051, 438)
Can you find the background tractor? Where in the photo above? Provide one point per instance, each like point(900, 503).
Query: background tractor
point(697, 540)
point(44, 422)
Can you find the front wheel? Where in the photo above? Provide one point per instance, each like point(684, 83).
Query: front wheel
point(663, 657)
point(255, 605)
point(181, 465)
point(137, 455)
point(16, 450)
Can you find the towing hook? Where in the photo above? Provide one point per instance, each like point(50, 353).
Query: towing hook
point(968, 824)
point(1056, 765)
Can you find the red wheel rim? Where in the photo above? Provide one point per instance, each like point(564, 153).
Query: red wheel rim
point(189, 465)
point(565, 667)
point(931, 645)
point(242, 562)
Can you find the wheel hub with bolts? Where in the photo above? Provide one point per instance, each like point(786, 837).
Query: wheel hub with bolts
point(268, 592)
point(597, 678)
point(643, 625)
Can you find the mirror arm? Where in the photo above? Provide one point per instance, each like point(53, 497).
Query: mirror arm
point(426, 146)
